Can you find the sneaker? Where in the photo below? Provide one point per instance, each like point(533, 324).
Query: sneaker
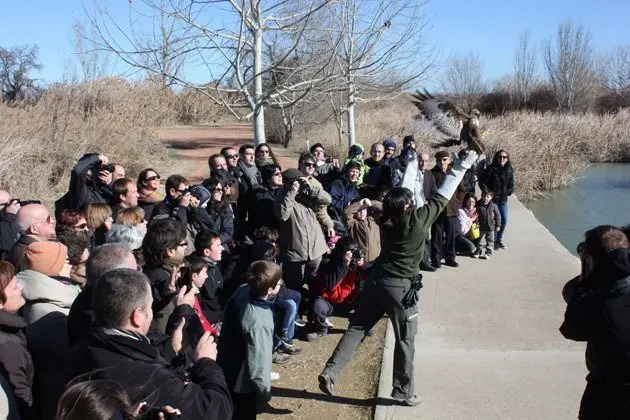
point(314, 336)
point(275, 376)
point(326, 384)
point(292, 350)
point(436, 264)
point(499, 245)
point(483, 256)
point(408, 401)
point(327, 322)
point(475, 254)
point(452, 263)
point(280, 358)
point(502, 245)
point(488, 255)
point(299, 323)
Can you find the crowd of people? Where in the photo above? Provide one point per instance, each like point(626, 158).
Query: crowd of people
point(139, 299)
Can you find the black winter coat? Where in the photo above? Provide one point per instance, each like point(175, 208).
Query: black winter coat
point(211, 296)
point(168, 208)
point(84, 189)
point(598, 312)
point(138, 367)
point(500, 180)
point(221, 222)
point(16, 362)
point(9, 233)
point(260, 207)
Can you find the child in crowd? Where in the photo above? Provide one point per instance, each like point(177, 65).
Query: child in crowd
point(362, 227)
point(466, 241)
point(489, 221)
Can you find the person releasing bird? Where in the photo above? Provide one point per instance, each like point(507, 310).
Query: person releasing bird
point(451, 120)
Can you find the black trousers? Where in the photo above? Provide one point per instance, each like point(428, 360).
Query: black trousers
point(382, 295)
point(244, 406)
point(443, 234)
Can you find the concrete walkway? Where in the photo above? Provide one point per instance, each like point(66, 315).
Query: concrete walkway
point(488, 345)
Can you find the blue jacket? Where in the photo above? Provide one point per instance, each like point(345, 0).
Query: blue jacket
point(343, 192)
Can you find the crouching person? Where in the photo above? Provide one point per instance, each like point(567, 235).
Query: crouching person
point(246, 342)
point(337, 282)
point(118, 349)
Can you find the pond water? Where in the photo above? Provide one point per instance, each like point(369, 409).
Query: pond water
point(600, 196)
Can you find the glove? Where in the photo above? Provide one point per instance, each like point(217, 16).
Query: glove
point(467, 162)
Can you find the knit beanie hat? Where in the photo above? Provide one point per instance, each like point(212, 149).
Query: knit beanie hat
point(441, 154)
point(407, 140)
point(389, 143)
point(46, 257)
point(315, 146)
point(355, 150)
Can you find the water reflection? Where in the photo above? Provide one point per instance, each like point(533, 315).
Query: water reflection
point(600, 196)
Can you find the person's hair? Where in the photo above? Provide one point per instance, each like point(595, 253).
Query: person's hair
point(97, 214)
point(487, 191)
point(266, 233)
point(224, 151)
point(129, 236)
point(467, 197)
point(96, 399)
point(105, 258)
point(241, 150)
point(7, 272)
point(143, 177)
point(263, 275)
point(495, 158)
point(267, 171)
point(194, 263)
point(212, 158)
point(204, 239)
point(626, 229)
point(603, 239)
point(395, 201)
point(121, 187)
point(174, 181)
point(216, 207)
point(117, 294)
point(272, 155)
point(71, 217)
point(352, 164)
point(130, 216)
point(343, 245)
point(306, 156)
point(161, 235)
point(76, 242)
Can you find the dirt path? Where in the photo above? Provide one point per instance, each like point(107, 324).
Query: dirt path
point(296, 391)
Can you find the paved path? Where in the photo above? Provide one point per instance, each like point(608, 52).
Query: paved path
point(488, 345)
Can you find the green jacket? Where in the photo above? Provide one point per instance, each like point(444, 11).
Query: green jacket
point(402, 245)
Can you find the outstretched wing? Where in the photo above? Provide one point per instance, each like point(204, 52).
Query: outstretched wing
point(444, 115)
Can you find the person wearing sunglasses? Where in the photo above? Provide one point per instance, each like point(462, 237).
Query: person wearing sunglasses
point(598, 313)
point(148, 186)
point(177, 201)
point(35, 224)
point(499, 177)
point(307, 164)
point(231, 159)
point(9, 229)
point(75, 220)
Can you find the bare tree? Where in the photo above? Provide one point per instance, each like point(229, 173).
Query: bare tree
point(569, 63)
point(16, 66)
point(94, 63)
point(617, 68)
point(230, 52)
point(524, 67)
point(380, 52)
point(463, 78)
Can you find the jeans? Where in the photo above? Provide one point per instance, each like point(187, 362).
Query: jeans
point(503, 210)
point(284, 310)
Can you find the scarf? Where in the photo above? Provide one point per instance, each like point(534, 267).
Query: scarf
point(146, 196)
point(249, 172)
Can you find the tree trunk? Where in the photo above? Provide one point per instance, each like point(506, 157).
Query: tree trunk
point(351, 128)
point(259, 110)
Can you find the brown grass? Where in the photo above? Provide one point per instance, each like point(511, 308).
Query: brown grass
point(547, 150)
point(41, 143)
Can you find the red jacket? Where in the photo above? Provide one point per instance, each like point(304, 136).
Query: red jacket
point(345, 290)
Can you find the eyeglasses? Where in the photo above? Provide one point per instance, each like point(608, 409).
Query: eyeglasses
point(184, 191)
point(152, 178)
point(308, 164)
point(49, 220)
point(503, 157)
point(183, 243)
point(218, 189)
point(231, 156)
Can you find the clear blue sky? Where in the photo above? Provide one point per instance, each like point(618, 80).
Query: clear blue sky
point(489, 27)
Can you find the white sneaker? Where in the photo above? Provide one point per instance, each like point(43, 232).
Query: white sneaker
point(330, 324)
point(483, 256)
point(275, 376)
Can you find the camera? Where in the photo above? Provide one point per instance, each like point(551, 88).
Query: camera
point(329, 160)
point(358, 254)
point(24, 202)
point(110, 167)
point(305, 188)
